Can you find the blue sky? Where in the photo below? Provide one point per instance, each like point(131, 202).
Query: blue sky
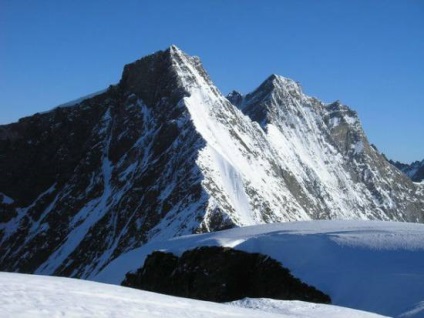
point(367, 53)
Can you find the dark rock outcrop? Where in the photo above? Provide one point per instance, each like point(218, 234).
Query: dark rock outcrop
point(220, 274)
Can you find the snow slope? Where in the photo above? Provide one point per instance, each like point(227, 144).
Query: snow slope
point(368, 265)
point(296, 308)
point(42, 296)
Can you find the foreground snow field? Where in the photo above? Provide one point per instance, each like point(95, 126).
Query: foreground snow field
point(368, 265)
point(43, 296)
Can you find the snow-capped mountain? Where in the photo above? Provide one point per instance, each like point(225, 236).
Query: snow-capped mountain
point(415, 170)
point(327, 153)
point(163, 153)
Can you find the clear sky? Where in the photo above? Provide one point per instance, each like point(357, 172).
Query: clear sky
point(367, 53)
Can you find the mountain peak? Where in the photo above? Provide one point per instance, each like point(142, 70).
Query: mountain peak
point(235, 98)
point(173, 49)
point(159, 74)
point(414, 170)
point(274, 86)
point(176, 54)
point(280, 82)
point(276, 83)
point(165, 73)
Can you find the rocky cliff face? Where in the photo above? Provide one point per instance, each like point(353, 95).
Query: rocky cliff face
point(163, 153)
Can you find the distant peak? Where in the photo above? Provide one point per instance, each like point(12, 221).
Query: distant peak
point(234, 93)
point(179, 57)
point(275, 83)
point(175, 49)
point(273, 77)
point(339, 106)
point(279, 81)
point(235, 98)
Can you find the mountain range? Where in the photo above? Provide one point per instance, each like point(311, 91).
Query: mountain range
point(164, 153)
point(414, 170)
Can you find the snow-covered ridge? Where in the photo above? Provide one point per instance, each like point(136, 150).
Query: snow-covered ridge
point(374, 266)
point(41, 296)
point(76, 101)
point(297, 308)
